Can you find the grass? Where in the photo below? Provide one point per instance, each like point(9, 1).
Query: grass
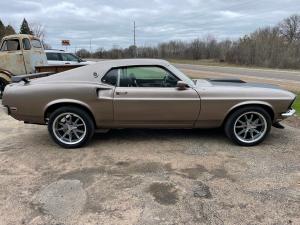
point(297, 105)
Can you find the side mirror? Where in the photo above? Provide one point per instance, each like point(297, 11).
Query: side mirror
point(181, 85)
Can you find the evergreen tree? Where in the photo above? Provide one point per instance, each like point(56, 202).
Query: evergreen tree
point(9, 30)
point(2, 30)
point(25, 28)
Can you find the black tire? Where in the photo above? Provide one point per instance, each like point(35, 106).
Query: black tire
point(60, 117)
point(3, 83)
point(240, 132)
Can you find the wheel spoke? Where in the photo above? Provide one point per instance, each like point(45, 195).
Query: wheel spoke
point(245, 135)
point(251, 117)
point(76, 121)
point(76, 134)
point(251, 134)
point(242, 131)
point(79, 131)
point(65, 134)
point(256, 131)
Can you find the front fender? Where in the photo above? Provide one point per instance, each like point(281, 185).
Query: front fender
point(246, 103)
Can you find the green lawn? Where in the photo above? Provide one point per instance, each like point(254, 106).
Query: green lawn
point(297, 104)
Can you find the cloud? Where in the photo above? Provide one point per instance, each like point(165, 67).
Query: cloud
point(110, 22)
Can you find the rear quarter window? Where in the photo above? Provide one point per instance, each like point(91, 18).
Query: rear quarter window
point(111, 77)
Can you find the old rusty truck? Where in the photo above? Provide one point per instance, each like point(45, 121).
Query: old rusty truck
point(24, 54)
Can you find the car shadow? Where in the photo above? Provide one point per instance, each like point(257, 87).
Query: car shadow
point(159, 134)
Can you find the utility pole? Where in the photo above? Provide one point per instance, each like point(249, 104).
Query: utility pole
point(134, 38)
point(134, 43)
point(90, 46)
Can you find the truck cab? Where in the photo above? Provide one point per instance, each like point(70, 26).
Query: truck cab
point(20, 54)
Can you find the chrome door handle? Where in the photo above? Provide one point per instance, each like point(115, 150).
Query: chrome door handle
point(121, 92)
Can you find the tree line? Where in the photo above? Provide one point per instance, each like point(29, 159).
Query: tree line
point(25, 28)
point(275, 47)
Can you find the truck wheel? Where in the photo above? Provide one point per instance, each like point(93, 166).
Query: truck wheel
point(71, 127)
point(3, 83)
point(248, 126)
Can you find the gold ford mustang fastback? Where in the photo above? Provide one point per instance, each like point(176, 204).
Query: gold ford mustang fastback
point(144, 93)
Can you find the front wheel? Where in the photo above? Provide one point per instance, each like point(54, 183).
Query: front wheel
point(248, 126)
point(71, 127)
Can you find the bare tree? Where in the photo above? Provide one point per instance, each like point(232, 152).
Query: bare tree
point(289, 28)
point(38, 30)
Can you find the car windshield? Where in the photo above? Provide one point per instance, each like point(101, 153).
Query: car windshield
point(182, 76)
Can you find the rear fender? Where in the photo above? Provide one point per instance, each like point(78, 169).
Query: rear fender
point(66, 101)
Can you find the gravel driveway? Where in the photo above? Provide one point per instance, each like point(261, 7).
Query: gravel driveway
point(148, 177)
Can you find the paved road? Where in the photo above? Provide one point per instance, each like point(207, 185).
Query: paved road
point(276, 75)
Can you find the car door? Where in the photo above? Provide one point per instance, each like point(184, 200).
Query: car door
point(33, 54)
point(148, 96)
point(54, 58)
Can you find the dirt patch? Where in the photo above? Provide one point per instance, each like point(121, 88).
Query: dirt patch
point(221, 173)
point(164, 193)
point(85, 175)
point(193, 173)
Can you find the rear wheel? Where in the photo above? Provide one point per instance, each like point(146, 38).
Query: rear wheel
point(71, 127)
point(248, 126)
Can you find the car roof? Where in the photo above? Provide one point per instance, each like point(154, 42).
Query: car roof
point(86, 73)
point(55, 51)
point(133, 62)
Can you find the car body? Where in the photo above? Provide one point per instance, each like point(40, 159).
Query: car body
point(146, 93)
point(60, 57)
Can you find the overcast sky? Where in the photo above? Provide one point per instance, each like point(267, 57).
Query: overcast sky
point(110, 22)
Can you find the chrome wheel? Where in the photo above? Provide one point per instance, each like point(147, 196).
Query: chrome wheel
point(250, 127)
point(69, 128)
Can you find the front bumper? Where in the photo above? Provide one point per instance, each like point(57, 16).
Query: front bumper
point(289, 113)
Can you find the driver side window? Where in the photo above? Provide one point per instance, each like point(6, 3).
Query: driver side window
point(147, 76)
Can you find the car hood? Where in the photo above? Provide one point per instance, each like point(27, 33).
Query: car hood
point(239, 87)
point(231, 83)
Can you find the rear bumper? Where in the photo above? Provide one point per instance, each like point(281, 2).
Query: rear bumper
point(289, 113)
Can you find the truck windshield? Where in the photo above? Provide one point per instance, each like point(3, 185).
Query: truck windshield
point(10, 45)
point(36, 43)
